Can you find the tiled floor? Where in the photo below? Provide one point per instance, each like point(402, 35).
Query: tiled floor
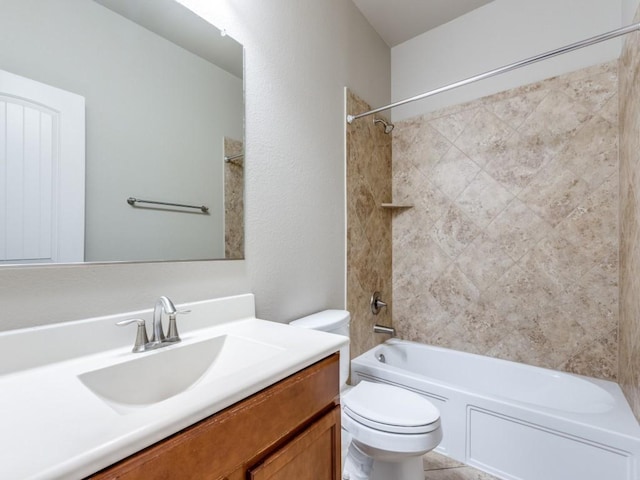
point(439, 467)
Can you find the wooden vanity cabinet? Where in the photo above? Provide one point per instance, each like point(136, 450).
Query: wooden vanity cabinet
point(290, 430)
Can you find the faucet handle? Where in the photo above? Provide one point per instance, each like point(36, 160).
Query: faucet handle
point(172, 334)
point(141, 334)
point(376, 303)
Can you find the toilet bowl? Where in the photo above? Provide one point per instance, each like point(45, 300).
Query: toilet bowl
point(386, 429)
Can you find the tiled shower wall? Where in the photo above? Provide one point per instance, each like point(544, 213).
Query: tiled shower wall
point(368, 226)
point(233, 200)
point(511, 248)
point(629, 361)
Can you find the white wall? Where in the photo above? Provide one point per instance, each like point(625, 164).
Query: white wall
point(629, 9)
point(136, 145)
point(299, 57)
point(497, 34)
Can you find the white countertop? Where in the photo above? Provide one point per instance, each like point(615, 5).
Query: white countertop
point(53, 426)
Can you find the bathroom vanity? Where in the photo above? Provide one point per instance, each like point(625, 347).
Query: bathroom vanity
point(289, 430)
point(238, 397)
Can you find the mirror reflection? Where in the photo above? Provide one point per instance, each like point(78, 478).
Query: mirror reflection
point(102, 101)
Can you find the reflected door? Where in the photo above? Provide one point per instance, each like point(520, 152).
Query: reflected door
point(42, 138)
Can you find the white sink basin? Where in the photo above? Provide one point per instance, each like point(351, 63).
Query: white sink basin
point(151, 377)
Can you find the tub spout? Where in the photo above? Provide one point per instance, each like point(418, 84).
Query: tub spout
point(382, 329)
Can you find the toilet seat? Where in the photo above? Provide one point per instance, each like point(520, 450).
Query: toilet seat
point(390, 409)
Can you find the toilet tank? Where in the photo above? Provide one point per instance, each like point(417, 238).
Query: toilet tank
point(332, 321)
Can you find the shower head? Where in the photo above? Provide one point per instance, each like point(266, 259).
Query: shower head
point(388, 127)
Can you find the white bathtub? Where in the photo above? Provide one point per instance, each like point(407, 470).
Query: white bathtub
point(513, 420)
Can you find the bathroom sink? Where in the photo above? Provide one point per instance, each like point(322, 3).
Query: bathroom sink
point(76, 393)
point(151, 377)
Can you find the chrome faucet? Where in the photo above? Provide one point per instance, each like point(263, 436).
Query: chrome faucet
point(158, 340)
point(163, 303)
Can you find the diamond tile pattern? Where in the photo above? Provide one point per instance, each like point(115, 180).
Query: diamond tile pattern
point(511, 247)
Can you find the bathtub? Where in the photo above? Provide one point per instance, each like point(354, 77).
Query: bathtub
point(514, 421)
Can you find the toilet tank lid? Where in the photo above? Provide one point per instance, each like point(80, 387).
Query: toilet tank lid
point(326, 320)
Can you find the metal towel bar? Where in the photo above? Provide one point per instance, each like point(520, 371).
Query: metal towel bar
point(229, 158)
point(132, 201)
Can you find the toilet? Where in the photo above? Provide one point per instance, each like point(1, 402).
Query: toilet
point(386, 429)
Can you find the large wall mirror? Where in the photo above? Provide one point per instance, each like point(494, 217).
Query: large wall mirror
point(106, 105)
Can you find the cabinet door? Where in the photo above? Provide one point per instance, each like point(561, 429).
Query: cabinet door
point(312, 455)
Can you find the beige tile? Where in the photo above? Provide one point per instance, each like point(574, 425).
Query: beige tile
point(562, 260)
point(517, 229)
point(592, 153)
point(522, 156)
point(483, 199)
point(584, 73)
point(361, 264)
point(474, 330)
point(454, 231)
point(409, 271)
point(554, 192)
point(437, 461)
point(553, 146)
point(593, 225)
point(593, 302)
point(515, 109)
point(233, 200)
point(422, 319)
point(524, 290)
point(523, 90)
point(368, 226)
point(451, 126)
point(593, 91)
point(454, 173)
point(628, 368)
point(402, 221)
point(485, 135)
point(558, 114)
point(427, 309)
point(563, 334)
point(453, 291)
point(483, 261)
point(610, 110)
point(599, 358)
point(462, 473)
point(524, 342)
point(411, 188)
point(419, 145)
point(364, 202)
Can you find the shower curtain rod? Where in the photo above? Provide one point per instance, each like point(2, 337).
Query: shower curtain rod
point(507, 68)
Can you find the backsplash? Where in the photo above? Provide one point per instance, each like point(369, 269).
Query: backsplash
point(629, 364)
point(511, 248)
point(368, 226)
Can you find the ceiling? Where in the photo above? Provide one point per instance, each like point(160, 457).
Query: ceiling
point(397, 21)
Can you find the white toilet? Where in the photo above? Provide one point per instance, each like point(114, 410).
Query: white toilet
point(388, 428)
